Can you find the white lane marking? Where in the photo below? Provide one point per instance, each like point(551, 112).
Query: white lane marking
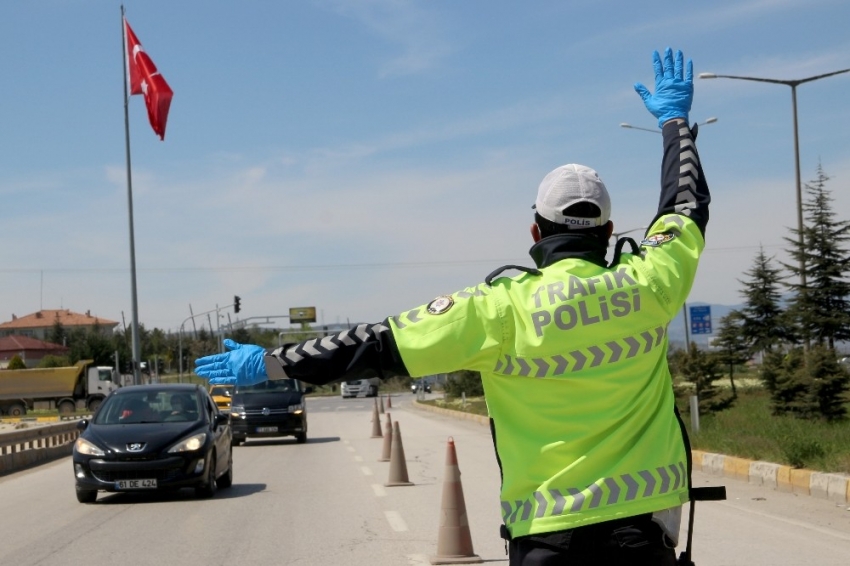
point(358, 458)
point(418, 560)
point(379, 490)
point(345, 442)
point(351, 448)
point(366, 470)
point(396, 522)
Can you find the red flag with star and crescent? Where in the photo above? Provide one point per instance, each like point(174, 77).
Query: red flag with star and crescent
point(146, 80)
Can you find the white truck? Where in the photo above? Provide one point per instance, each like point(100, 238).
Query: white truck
point(360, 387)
point(81, 386)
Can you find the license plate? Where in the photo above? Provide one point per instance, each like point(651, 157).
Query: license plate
point(266, 429)
point(136, 484)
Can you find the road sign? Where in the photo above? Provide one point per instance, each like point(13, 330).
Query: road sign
point(700, 320)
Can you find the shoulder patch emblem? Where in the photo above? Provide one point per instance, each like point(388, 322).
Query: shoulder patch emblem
point(657, 239)
point(440, 305)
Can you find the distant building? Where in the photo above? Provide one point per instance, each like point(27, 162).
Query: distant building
point(30, 350)
point(39, 325)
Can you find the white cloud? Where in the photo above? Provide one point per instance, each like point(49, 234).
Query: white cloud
point(413, 28)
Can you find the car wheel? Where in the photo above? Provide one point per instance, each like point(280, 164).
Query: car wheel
point(301, 437)
point(373, 391)
point(226, 480)
point(94, 405)
point(237, 440)
point(86, 496)
point(67, 408)
point(209, 487)
point(16, 410)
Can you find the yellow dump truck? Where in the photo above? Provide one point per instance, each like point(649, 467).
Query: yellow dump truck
point(79, 387)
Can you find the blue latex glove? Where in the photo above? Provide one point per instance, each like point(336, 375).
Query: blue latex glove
point(673, 92)
point(242, 365)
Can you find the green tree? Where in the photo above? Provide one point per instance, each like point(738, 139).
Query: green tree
point(829, 383)
point(763, 324)
point(90, 344)
point(16, 363)
point(54, 362)
point(703, 370)
point(464, 382)
point(732, 348)
point(57, 335)
point(822, 308)
point(242, 336)
point(807, 384)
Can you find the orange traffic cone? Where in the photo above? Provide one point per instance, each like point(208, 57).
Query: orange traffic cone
point(381, 405)
point(376, 422)
point(454, 541)
point(398, 466)
point(388, 441)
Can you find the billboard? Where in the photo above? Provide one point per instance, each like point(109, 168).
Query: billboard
point(302, 314)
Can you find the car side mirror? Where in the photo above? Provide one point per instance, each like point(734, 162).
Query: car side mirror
point(228, 393)
point(309, 389)
point(82, 424)
point(221, 419)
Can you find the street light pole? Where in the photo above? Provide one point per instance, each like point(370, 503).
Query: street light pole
point(616, 235)
point(627, 125)
point(793, 84)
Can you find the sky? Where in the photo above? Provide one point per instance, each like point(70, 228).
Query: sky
point(365, 156)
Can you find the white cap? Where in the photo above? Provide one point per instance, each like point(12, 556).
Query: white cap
point(568, 185)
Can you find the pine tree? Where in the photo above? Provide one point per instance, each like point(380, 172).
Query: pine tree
point(763, 323)
point(58, 335)
point(732, 348)
point(808, 384)
point(822, 308)
point(703, 370)
point(829, 381)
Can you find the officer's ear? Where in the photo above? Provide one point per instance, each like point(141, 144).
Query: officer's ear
point(535, 232)
point(610, 229)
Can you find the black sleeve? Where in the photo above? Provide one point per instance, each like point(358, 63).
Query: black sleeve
point(367, 350)
point(683, 187)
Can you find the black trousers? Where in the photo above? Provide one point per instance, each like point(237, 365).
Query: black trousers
point(635, 541)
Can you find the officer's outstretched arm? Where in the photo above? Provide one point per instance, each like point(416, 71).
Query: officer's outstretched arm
point(684, 190)
point(368, 350)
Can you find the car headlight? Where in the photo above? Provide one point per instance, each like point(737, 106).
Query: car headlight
point(237, 411)
point(83, 446)
point(297, 409)
point(189, 444)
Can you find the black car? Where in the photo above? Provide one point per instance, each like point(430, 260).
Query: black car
point(269, 409)
point(420, 384)
point(154, 437)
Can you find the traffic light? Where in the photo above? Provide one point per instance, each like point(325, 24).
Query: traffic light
point(236, 306)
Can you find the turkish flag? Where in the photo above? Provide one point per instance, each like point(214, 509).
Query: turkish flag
point(146, 80)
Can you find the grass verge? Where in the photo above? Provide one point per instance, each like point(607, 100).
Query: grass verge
point(748, 430)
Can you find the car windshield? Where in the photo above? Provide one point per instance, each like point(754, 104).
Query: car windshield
point(149, 406)
point(269, 386)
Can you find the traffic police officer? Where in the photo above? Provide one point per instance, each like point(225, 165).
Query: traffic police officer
point(572, 355)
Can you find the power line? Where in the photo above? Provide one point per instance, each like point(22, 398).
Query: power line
point(249, 268)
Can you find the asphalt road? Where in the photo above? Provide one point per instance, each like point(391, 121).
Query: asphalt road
point(325, 503)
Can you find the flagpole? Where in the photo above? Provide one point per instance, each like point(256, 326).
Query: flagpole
point(137, 354)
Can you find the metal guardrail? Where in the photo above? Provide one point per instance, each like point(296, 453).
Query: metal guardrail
point(21, 449)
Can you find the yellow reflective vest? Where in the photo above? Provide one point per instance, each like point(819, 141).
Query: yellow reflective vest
point(575, 375)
